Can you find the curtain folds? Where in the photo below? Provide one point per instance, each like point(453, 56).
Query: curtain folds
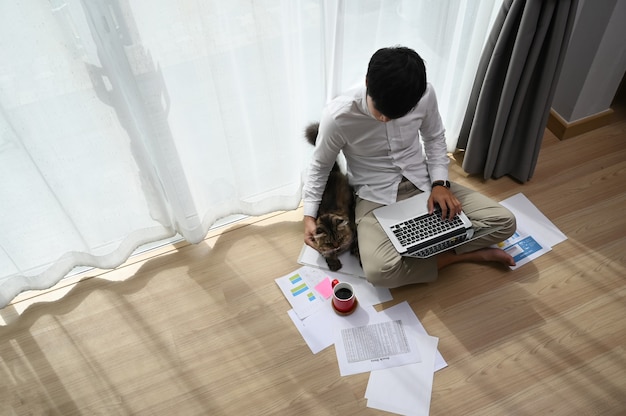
point(515, 83)
point(123, 122)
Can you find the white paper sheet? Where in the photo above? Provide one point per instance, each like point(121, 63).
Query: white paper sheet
point(405, 390)
point(350, 264)
point(403, 311)
point(412, 326)
point(376, 346)
point(318, 329)
point(300, 288)
point(535, 234)
point(533, 221)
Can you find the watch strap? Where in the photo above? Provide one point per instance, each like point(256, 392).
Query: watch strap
point(445, 184)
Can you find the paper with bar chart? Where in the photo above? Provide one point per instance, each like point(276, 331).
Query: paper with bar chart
point(299, 289)
point(535, 234)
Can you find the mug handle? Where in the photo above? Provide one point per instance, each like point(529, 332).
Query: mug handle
point(335, 282)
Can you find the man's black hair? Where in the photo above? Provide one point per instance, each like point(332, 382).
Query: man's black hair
point(396, 80)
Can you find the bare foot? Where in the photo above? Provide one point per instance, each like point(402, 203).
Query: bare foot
point(490, 254)
point(496, 255)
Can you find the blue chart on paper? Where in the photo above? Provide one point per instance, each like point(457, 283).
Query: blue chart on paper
point(524, 248)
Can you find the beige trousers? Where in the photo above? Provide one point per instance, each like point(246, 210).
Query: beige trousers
point(382, 264)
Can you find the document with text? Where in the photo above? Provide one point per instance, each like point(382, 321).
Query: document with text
point(376, 346)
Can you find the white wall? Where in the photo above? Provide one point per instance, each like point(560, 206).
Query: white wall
point(595, 61)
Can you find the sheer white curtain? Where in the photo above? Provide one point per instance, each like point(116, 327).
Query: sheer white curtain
point(124, 122)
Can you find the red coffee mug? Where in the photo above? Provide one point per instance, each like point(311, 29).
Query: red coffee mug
point(344, 301)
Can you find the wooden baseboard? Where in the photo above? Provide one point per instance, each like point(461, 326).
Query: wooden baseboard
point(565, 130)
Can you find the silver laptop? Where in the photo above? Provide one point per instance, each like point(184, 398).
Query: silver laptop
point(416, 233)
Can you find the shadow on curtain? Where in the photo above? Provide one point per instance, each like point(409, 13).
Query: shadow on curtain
point(513, 90)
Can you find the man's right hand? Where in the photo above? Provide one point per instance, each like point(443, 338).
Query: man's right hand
point(309, 231)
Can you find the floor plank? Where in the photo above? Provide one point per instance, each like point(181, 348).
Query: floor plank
point(202, 329)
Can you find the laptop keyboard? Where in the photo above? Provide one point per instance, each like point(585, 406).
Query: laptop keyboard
point(429, 251)
point(426, 226)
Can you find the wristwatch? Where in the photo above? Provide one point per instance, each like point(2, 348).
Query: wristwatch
point(445, 184)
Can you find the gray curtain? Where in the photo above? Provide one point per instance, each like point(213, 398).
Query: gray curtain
point(513, 90)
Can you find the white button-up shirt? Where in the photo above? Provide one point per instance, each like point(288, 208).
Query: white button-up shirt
point(377, 154)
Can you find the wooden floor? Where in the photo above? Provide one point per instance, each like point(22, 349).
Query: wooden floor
point(203, 329)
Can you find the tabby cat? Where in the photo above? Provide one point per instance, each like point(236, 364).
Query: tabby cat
point(336, 229)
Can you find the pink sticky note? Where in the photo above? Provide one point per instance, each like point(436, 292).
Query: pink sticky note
point(325, 288)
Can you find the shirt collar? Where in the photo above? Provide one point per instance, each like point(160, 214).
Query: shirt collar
point(361, 101)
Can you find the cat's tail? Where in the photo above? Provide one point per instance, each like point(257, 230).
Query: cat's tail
point(311, 136)
point(310, 133)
